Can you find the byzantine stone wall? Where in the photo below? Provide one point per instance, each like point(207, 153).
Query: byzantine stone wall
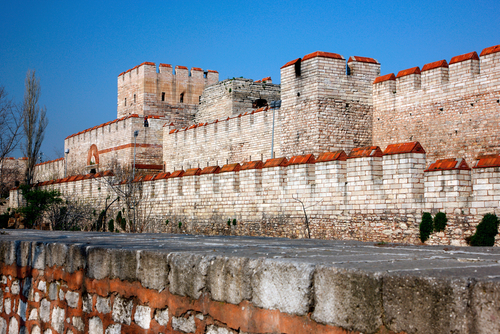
point(143, 91)
point(110, 144)
point(325, 107)
point(452, 109)
point(242, 138)
point(367, 196)
point(235, 96)
point(50, 170)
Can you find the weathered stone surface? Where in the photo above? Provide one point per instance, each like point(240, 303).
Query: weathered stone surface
point(78, 323)
point(152, 270)
point(87, 303)
point(58, 316)
point(3, 326)
point(114, 329)
point(14, 288)
point(285, 286)
point(23, 253)
point(229, 279)
point(55, 254)
point(103, 305)
point(348, 299)
point(98, 262)
point(122, 310)
point(485, 306)
point(35, 330)
point(186, 325)
point(45, 310)
point(161, 316)
point(95, 325)
point(42, 286)
point(123, 264)
point(76, 258)
point(13, 326)
point(33, 314)
point(72, 298)
point(142, 316)
point(188, 273)
point(54, 290)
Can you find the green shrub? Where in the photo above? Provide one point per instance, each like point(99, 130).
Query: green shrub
point(111, 225)
point(121, 221)
point(229, 222)
point(440, 221)
point(166, 222)
point(485, 231)
point(37, 202)
point(426, 227)
point(234, 222)
point(180, 224)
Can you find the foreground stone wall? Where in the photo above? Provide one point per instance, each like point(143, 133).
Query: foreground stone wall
point(452, 109)
point(53, 282)
point(368, 196)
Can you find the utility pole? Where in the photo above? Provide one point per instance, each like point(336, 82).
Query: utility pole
point(136, 133)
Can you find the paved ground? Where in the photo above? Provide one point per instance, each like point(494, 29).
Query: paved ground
point(481, 263)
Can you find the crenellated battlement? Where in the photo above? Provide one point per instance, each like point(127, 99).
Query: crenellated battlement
point(144, 90)
point(451, 108)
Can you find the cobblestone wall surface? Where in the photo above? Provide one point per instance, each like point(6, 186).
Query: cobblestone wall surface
point(452, 109)
point(104, 283)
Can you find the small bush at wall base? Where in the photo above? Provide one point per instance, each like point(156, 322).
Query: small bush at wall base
point(234, 222)
point(111, 225)
point(485, 231)
point(426, 227)
point(440, 221)
point(180, 224)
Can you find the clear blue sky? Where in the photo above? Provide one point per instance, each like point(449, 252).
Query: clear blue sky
point(79, 48)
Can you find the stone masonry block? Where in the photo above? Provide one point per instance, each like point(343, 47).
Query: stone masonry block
point(152, 270)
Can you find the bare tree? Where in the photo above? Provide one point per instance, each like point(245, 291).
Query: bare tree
point(304, 208)
point(34, 123)
point(10, 125)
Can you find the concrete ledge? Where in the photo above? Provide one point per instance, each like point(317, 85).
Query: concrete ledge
point(344, 284)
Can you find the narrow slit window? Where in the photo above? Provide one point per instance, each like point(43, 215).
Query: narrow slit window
point(182, 98)
point(134, 98)
point(125, 102)
point(163, 96)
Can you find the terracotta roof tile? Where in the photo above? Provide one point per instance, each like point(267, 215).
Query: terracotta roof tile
point(302, 159)
point(196, 69)
point(165, 65)
point(177, 173)
point(230, 168)
point(276, 162)
point(322, 54)
point(488, 161)
point(490, 50)
point(362, 152)
point(252, 165)
point(291, 62)
point(383, 78)
point(413, 70)
point(160, 176)
point(192, 172)
point(210, 170)
point(332, 156)
point(181, 67)
point(448, 164)
point(412, 147)
point(362, 59)
point(464, 57)
point(148, 63)
point(436, 64)
point(212, 71)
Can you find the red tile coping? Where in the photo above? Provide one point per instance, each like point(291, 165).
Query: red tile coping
point(332, 156)
point(436, 64)
point(302, 159)
point(362, 60)
point(258, 81)
point(322, 54)
point(252, 165)
point(177, 173)
point(488, 161)
point(490, 50)
point(165, 65)
point(113, 121)
point(276, 162)
point(230, 168)
point(266, 79)
point(412, 147)
point(448, 164)
point(181, 67)
point(138, 178)
point(383, 78)
point(162, 176)
point(133, 68)
point(172, 131)
point(210, 170)
point(23, 158)
point(45, 162)
point(413, 70)
point(196, 69)
point(464, 57)
point(212, 71)
point(148, 166)
point(149, 178)
point(290, 63)
point(362, 152)
point(147, 63)
point(192, 172)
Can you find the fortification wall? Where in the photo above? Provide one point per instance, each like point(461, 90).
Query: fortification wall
point(50, 170)
point(367, 196)
point(325, 107)
point(111, 144)
point(232, 140)
point(144, 91)
point(452, 109)
point(235, 96)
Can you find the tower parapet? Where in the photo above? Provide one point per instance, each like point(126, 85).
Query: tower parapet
point(144, 91)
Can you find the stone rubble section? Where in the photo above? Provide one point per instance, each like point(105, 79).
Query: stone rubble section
point(273, 285)
point(366, 195)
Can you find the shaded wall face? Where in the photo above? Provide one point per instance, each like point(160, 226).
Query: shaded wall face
point(452, 111)
point(112, 145)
